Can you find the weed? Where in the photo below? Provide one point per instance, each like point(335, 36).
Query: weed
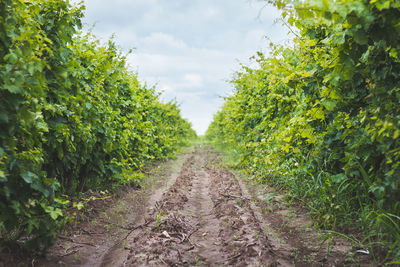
point(119, 207)
point(77, 257)
point(268, 197)
point(159, 218)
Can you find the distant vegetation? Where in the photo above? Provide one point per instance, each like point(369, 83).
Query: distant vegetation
point(321, 118)
point(72, 118)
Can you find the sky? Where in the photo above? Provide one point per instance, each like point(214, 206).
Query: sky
point(187, 49)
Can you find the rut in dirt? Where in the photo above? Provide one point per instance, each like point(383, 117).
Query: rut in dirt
point(208, 218)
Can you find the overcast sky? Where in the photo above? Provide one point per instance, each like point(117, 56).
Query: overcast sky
point(188, 49)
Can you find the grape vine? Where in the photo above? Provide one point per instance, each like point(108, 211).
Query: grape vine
point(72, 118)
point(321, 118)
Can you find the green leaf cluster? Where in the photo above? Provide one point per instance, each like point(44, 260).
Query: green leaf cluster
point(72, 118)
point(321, 118)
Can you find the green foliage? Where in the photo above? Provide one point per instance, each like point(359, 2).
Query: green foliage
point(322, 118)
point(72, 118)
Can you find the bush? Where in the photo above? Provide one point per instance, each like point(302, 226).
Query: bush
point(72, 117)
point(322, 119)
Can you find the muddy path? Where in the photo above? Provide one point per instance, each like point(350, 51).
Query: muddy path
point(200, 213)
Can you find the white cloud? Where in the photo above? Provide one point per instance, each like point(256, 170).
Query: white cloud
point(188, 49)
point(211, 12)
point(159, 41)
point(193, 80)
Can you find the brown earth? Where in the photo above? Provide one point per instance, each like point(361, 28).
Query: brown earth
point(195, 211)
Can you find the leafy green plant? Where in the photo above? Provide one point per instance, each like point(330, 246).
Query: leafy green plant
point(321, 118)
point(72, 118)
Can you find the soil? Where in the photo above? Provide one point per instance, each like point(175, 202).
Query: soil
point(196, 211)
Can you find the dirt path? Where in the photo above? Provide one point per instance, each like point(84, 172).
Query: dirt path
point(202, 214)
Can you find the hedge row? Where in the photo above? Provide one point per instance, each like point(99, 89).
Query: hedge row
point(321, 118)
point(72, 117)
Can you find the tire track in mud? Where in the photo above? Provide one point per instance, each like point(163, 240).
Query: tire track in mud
point(202, 219)
point(209, 218)
point(243, 238)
